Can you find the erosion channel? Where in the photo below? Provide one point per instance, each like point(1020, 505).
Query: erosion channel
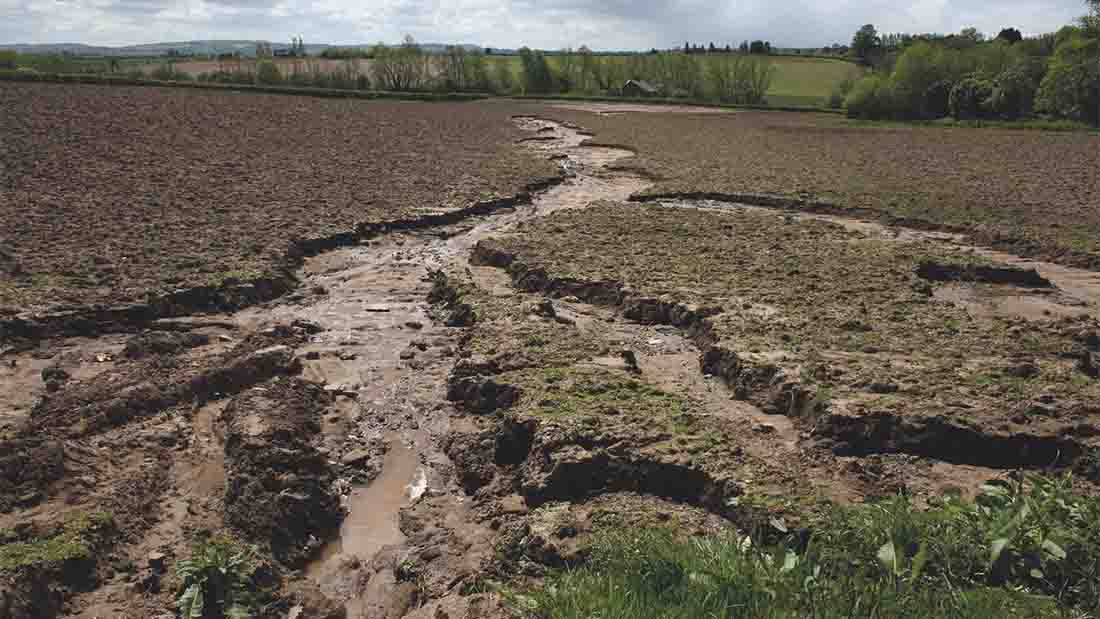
point(386, 363)
point(426, 413)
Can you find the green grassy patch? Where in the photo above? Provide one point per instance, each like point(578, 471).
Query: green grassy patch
point(76, 541)
point(578, 392)
point(1024, 549)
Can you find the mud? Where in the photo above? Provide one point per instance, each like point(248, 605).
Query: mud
point(617, 109)
point(427, 413)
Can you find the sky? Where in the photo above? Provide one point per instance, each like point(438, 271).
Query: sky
point(545, 24)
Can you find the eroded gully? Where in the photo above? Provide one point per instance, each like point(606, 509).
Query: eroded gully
point(386, 364)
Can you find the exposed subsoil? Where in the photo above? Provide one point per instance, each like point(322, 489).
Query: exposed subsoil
point(443, 407)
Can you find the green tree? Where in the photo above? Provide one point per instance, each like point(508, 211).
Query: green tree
point(1091, 22)
point(505, 80)
point(865, 43)
point(916, 70)
point(740, 79)
point(402, 68)
point(1010, 36)
point(537, 77)
point(454, 68)
point(267, 73)
point(1071, 87)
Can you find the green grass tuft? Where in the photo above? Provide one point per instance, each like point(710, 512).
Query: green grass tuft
point(75, 542)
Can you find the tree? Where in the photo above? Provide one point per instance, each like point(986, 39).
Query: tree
point(865, 43)
point(454, 68)
point(1071, 87)
point(711, 49)
point(740, 79)
point(757, 47)
point(1010, 35)
point(505, 79)
point(402, 68)
point(972, 36)
point(537, 77)
point(744, 47)
point(1091, 23)
point(687, 48)
point(567, 69)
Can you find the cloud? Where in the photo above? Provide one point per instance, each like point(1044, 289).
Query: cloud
point(606, 24)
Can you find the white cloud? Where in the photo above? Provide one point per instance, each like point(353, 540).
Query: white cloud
point(608, 24)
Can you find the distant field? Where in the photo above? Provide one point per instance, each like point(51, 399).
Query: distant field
point(809, 78)
point(798, 81)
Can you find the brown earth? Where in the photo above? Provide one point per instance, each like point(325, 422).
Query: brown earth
point(110, 196)
point(460, 404)
point(839, 330)
point(1029, 192)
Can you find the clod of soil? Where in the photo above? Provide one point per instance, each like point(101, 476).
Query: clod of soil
point(279, 489)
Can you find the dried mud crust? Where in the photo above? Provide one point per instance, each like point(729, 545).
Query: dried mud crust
point(840, 332)
point(111, 196)
point(1001, 186)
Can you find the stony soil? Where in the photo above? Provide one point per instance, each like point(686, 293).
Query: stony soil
point(454, 407)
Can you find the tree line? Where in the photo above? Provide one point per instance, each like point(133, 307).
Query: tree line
point(731, 78)
point(970, 76)
point(755, 47)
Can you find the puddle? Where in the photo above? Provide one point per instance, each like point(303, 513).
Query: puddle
point(372, 522)
point(989, 301)
point(21, 381)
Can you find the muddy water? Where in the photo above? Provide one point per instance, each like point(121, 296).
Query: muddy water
point(372, 511)
point(1076, 292)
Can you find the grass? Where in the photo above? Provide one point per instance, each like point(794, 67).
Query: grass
point(577, 393)
point(75, 541)
point(798, 81)
point(811, 78)
point(1022, 549)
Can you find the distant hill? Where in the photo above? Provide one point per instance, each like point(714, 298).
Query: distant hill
point(183, 48)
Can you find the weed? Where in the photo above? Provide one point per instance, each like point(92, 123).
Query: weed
point(217, 579)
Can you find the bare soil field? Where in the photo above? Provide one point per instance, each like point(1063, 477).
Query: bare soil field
point(479, 355)
point(287, 66)
point(1030, 192)
point(115, 196)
